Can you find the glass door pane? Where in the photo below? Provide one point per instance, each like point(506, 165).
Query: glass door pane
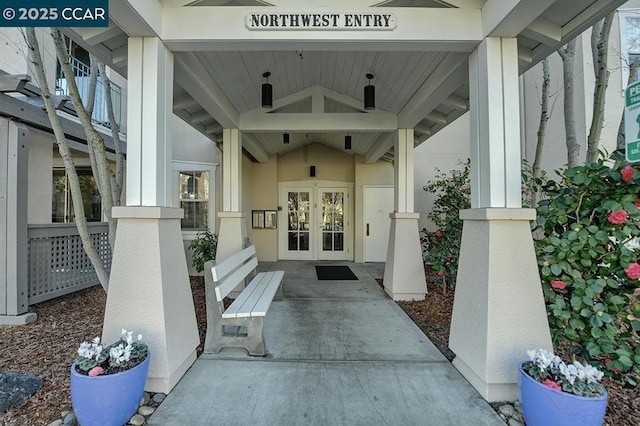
point(298, 226)
point(332, 221)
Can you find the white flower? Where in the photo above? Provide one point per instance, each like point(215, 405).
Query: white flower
point(139, 337)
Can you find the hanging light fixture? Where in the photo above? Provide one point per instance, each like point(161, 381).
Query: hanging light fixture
point(369, 94)
point(285, 138)
point(267, 92)
point(347, 142)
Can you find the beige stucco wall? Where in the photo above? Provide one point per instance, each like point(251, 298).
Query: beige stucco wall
point(379, 173)
point(264, 196)
point(330, 164)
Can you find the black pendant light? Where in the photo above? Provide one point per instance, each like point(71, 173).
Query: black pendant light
point(285, 138)
point(347, 142)
point(267, 92)
point(369, 94)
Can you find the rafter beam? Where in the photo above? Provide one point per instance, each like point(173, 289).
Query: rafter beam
point(379, 148)
point(507, 18)
point(195, 79)
point(184, 101)
point(309, 122)
point(254, 148)
point(438, 117)
point(457, 102)
point(137, 18)
point(200, 116)
point(543, 31)
point(96, 35)
point(119, 56)
point(448, 76)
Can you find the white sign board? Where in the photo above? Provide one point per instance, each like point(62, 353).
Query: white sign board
point(632, 122)
point(301, 21)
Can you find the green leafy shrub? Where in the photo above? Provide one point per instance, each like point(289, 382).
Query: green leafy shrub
point(204, 248)
point(441, 248)
point(586, 245)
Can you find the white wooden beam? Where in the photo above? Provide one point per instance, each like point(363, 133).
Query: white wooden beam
point(213, 128)
point(195, 79)
point(437, 117)
point(448, 76)
point(183, 102)
point(96, 35)
point(317, 100)
point(379, 148)
point(309, 122)
point(255, 148)
point(137, 18)
point(223, 28)
point(507, 18)
point(457, 102)
point(119, 56)
point(200, 116)
point(544, 31)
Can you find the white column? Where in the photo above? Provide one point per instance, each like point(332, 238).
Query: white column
point(232, 231)
point(498, 311)
point(149, 115)
point(149, 289)
point(404, 277)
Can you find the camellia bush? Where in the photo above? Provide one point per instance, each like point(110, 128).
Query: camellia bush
point(441, 248)
point(586, 239)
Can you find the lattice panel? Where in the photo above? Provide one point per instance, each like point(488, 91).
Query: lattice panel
point(59, 265)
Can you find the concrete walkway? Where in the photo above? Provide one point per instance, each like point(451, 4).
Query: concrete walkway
point(340, 353)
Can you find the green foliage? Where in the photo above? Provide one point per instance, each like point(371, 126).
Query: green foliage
point(204, 249)
point(441, 248)
point(586, 243)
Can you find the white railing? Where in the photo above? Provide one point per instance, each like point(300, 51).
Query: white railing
point(82, 74)
point(57, 262)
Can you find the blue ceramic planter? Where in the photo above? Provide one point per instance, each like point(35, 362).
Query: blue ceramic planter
point(109, 400)
point(543, 406)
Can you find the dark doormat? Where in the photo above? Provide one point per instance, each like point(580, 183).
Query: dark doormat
point(336, 273)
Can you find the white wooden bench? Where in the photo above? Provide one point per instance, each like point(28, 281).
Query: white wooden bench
point(240, 325)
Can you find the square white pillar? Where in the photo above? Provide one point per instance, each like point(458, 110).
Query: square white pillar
point(499, 310)
point(232, 231)
point(404, 277)
point(149, 117)
point(149, 288)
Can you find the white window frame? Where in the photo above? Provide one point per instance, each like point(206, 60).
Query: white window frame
point(178, 166)
point(623, 14)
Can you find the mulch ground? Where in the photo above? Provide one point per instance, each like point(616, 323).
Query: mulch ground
point(47, 348)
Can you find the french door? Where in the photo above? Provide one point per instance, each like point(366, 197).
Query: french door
point(315, 223)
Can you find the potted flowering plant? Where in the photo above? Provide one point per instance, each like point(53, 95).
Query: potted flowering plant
point(107, 382)
point(555, 393)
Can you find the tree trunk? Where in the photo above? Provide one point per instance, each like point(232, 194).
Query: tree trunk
point(542, 126)
point(94, 139)
point(568, 58)
point(600, 55)
point(65, 153)
point(118, 178)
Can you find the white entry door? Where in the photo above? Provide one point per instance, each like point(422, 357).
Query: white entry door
point(314, 223)
point(378, 203)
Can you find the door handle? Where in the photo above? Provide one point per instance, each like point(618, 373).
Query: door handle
point(367, 229)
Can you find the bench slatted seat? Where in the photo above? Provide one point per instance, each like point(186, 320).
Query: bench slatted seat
point(240, 325)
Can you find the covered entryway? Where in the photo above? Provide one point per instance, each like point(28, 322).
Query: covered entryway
point(430, 61)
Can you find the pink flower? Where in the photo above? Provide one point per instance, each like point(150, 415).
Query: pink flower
point(618, 217)
point(441, 273)
point(637, 203)
point(96, 371)
point(633, 271)
point(551, 384)
point(627, 174)
point(558, 284)
point(438, 233)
